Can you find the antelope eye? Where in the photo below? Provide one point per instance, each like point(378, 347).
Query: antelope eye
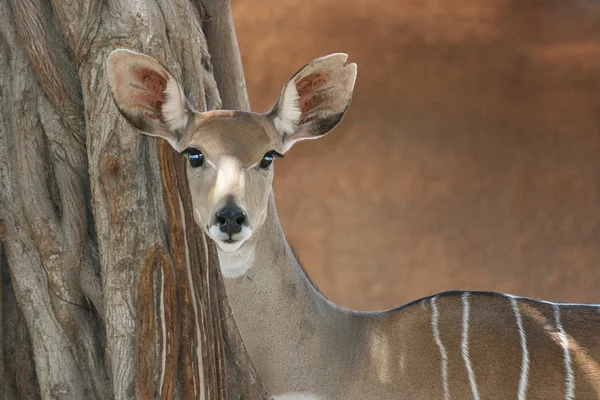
point(266, 161)
point(195, 156)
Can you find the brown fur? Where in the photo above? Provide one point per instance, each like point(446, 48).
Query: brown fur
point(240, 134)
point(154, 84)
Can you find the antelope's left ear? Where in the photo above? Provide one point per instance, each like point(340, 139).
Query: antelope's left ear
point(314, 100)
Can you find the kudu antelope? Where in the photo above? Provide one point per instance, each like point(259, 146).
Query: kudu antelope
point(453, 345)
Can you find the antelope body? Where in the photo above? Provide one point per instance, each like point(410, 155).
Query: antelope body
point(453, 345)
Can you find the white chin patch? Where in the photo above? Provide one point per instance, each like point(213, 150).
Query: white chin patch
point(229, 247)
point(221, 239)
point(235, 260)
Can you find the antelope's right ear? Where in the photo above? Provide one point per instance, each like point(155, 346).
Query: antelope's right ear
point(148, 96)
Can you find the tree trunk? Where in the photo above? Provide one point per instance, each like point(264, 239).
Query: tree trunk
point(108, 289)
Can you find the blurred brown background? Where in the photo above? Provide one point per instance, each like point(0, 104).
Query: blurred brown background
point(469, 159)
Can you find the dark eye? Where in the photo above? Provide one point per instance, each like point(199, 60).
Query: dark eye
point(195, 156)
point(266, 161)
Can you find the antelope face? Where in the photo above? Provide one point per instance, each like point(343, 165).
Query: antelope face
point(230, 153)
point(230, 171)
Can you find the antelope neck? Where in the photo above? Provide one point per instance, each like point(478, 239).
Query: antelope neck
point(282, 318)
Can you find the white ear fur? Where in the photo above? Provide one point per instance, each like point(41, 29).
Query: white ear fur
point(289, 114)
point(173, 109)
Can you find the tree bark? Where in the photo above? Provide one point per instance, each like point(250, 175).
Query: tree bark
point(105, 275)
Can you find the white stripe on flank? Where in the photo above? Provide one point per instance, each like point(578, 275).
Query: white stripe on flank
point(465, 346)
point(550, 302)
point(564, 341)
point(523, 381)
point(440, 345)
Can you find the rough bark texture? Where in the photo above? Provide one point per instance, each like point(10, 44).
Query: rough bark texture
point(108, 289)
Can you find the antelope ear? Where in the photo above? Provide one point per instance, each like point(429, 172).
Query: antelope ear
point(148, 96)
point(314, 100)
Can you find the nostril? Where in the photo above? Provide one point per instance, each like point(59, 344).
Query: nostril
point(231, 219)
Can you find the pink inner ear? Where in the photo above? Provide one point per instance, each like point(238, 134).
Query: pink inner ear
point(308, 99)
point(150, 93)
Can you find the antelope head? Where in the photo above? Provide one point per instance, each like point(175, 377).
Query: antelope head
point(230, 153)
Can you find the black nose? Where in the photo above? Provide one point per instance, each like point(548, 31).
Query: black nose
point(231, 219)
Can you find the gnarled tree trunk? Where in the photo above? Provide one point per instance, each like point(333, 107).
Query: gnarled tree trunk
point(108, 289)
